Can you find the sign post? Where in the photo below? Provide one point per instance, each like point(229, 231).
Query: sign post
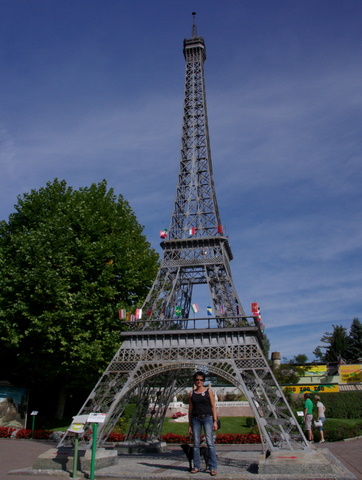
point(33, 415)
point(77, 428)
point(94, 418)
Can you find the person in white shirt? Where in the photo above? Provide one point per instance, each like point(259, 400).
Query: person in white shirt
point(321, 409)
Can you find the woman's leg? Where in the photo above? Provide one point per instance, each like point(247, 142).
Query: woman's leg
point(196, 432)
point(209, 434)
point(321, 429)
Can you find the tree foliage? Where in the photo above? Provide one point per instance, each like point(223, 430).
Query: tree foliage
point(354, 349)
point(340, 345)
point(300, 359)
point(287, 373)
point(69, 260)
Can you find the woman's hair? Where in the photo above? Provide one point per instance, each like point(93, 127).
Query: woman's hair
point(199, 374)
point(317, 397)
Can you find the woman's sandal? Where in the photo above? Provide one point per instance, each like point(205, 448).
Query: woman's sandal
point(194, 470)
point(213, 473)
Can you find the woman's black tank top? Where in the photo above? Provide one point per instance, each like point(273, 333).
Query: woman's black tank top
point(201, 403)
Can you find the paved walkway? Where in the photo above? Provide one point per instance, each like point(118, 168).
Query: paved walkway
point(349, 453)
point(235, 462)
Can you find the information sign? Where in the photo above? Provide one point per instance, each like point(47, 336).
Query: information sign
point(350, 373)
point(76, 428)
point(311, 388)
point(96, 417)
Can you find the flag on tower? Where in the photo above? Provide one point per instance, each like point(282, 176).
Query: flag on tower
point(222, 309)
point(255, 310)
point(195, 307)
point(209, 311)
point(192, 231)
point(122, 314)
point(178, 311)
point(138, 313)
point(163, 233)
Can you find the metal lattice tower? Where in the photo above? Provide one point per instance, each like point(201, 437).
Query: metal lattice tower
point(160, 352)
point(196, 251)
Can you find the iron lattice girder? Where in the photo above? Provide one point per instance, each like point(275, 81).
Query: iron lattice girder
point(195, 201)
point(200, 250)
point(187, 262)
point(161, 361)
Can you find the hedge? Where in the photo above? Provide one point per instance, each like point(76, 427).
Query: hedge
point(338, 405)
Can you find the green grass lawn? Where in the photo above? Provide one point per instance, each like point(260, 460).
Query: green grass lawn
point(228, 425)
point(335, 428)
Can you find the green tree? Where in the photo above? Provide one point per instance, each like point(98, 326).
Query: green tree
point(287, 373)
point(69, 260)
point(300, 359)
point(336, 344)
point(266, 345)
point(319, 355)
point(354, 349)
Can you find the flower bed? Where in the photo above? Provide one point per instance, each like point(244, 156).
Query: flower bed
point(6, 432)
point(179, 414)
point(221, 438)
point(116, 437)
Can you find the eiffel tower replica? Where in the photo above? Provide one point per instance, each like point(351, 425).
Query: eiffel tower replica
point(160, 352)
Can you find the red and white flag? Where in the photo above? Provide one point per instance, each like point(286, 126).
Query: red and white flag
point(195, 307)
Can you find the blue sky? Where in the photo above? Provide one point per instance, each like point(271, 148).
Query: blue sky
point(93, 89)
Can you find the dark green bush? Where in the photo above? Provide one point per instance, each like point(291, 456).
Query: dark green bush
point(128, 411)
point(338, 405)
point(250, 421)
point(343, 404)
point(335, 431)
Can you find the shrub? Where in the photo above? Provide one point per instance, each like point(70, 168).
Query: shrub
point(250, 421)
point(338, 405)
point(335, 431)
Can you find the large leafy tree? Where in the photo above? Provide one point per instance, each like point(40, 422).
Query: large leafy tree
point(69, 260)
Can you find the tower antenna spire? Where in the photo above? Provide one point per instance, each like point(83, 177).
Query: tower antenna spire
point(194, 29)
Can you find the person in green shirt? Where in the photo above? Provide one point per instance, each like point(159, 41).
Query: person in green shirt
point(308, 416)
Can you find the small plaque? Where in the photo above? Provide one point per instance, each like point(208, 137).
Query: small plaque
point(76, 428)
point(96, 417)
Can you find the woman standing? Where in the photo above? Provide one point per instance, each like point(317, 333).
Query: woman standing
point(202, 414)
point(321, 416)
